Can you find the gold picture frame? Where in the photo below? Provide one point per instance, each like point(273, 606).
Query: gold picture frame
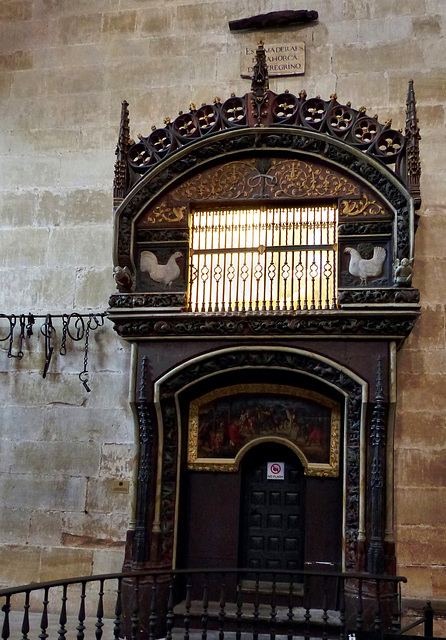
point(225, 423)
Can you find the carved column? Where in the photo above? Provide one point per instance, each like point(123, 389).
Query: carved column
point(141, 541)
point(375, 556)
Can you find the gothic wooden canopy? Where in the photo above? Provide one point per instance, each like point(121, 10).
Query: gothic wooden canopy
point(263, 149)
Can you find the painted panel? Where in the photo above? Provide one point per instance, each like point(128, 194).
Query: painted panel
point(227, 422)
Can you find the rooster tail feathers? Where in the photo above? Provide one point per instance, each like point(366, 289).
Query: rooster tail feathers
point(379, 253)
point(148, 260)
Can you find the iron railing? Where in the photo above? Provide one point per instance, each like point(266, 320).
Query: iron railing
point(263, 259)
point(427, 620)
point(178, 604)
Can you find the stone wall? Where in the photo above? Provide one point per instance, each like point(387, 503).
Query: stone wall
point(65, 67)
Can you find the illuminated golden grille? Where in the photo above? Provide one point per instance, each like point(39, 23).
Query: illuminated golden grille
point(263, 259)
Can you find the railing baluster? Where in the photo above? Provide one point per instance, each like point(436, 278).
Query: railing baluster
point(5, 627)
point(153, 618)
point(306, 266)
point(205, 615)
point(187, 609)
point(273, 614)
point(222, 612)
point(100, 611)
point(396, 609)
point(251, 266)
point(290, 614)
point(359, 616)
point(238, 613)
point(170, 616)
point(428, 620)
point(282, 617)
point(237, 255)
point(135, 611)
point(321, 240)
point(307, 604)
point(256, 613)
point(25, 623)
point(342, 618)
point(325, 609)
point(63, 614)
point(377, 623)
point(211, 265)
point(279, 256)
point(118, 611)
point(44, 619)
point(81, 617)
point(334, 254)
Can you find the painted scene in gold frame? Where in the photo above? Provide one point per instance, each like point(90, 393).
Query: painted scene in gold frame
point(226, 422)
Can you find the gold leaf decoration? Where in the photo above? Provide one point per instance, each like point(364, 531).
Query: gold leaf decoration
point(164, 213)
point(296, 178)
point(226, 183)
point(280, 179)
point(362, 207)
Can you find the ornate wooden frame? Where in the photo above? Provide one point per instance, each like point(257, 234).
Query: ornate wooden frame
point(268, 140)
point(329, 469)
point(265, 147)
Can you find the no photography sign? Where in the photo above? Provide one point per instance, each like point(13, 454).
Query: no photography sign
point(275, 471)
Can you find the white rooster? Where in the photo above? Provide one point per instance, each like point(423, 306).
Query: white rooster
point(162, 273)
point(363, 269)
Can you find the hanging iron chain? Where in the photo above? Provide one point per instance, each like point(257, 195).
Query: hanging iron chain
point(10, 335)
point(11, 338)
point(94, 321)
point(63, 342)
point(75, 326)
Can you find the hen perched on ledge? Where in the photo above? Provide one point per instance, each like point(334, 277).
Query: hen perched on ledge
point(363, 269)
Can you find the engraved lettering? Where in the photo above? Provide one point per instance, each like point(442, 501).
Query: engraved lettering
point(282, 59)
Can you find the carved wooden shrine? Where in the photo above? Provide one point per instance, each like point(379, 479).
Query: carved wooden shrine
point(263, 260)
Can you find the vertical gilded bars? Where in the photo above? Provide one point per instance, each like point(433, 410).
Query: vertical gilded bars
point(263, 259)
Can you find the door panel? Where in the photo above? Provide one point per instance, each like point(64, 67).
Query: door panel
point(272, 519)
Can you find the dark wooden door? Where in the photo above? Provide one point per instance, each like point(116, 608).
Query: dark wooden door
point(272, 518)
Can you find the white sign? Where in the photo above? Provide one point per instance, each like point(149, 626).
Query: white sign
point(275, 471)
point(283, 59)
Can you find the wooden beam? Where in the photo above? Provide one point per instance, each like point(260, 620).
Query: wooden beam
point(274, 19)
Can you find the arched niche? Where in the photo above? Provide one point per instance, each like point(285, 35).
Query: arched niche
point(171, 434)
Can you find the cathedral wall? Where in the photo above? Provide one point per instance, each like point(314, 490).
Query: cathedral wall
point(65, 67)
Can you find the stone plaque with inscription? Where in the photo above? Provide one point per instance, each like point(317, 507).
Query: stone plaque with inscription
point(283, 59)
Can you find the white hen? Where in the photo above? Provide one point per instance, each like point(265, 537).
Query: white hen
point(162, 273)
point(363, 269)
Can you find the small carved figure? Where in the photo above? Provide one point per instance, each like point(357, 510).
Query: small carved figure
point(402, 272)
point(124, 279)
point(162, 273)
point(363, 269)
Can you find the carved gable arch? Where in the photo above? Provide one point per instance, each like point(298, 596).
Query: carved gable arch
point(224, 168)
point(167, 389)
point(267, 150)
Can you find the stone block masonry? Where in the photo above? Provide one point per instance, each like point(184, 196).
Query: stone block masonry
point(65, 67)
